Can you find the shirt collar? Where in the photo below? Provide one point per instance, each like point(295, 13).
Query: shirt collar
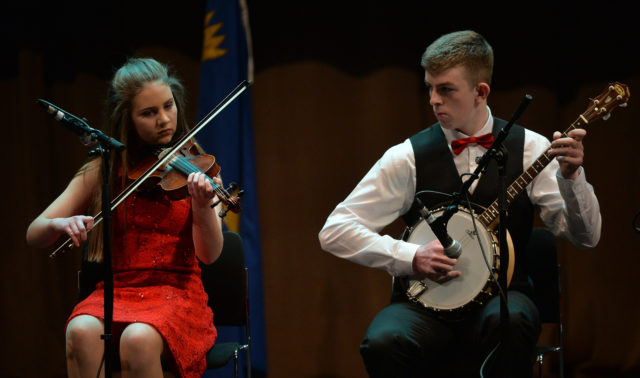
point(452, 135)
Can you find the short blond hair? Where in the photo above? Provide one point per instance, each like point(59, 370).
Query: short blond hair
point(462, 48)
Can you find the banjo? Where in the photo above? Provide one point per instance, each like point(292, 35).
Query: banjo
point(475, 230)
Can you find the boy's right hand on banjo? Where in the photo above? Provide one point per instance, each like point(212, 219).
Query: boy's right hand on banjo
point(431, 262)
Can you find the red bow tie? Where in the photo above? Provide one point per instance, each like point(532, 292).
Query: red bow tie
point(460, 144)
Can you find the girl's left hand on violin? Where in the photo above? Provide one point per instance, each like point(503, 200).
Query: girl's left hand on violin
point(200, 189)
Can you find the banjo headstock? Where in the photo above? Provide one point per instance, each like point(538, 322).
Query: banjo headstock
point(616, 95)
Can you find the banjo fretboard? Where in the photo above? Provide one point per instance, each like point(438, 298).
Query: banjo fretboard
point(601, 107)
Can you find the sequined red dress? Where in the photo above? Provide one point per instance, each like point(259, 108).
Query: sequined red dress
point(157, 279)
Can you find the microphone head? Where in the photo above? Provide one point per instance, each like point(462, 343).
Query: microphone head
point(454, 250)
point(57, 114)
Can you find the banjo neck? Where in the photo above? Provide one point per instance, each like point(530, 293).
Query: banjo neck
point(601, 107)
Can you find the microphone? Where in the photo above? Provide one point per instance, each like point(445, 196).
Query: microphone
point(74, 125)
point(88, 135)
point(452, 247)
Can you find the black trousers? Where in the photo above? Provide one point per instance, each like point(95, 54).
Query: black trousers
point(405, 340)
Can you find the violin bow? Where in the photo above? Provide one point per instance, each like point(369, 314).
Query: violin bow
point(237, 91)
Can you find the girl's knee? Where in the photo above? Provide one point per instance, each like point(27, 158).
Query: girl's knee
point(139, 344)
point(83, 332)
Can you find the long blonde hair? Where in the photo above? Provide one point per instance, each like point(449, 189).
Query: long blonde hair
point(127, 82)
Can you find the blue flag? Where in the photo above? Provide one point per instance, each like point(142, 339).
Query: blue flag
point(226, 62)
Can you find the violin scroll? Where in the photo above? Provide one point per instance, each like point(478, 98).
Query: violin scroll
point(232, 202)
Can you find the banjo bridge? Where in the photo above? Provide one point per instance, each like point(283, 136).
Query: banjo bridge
point(416, 289)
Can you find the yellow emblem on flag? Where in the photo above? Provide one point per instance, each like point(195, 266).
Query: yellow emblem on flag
point(211, 42)
point(232, 220)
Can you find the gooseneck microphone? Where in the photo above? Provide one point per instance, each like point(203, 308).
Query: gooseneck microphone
point(88, 135)
point(452, 247)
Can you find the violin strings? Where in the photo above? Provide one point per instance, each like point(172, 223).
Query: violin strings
point(184, 166)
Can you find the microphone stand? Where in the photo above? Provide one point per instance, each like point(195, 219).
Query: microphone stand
point(105, 152)
point(497, 152)
point(91, 136)
point(501, 159)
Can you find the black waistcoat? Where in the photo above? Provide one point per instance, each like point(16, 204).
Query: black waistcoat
point(436, 171)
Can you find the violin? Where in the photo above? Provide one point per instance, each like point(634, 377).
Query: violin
point(169, 168)
point(181, 160)
point(172, 175)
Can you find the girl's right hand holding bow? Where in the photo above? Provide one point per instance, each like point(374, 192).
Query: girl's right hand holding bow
point(76, 227)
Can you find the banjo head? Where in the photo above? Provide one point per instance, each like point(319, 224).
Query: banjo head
point(479, 257)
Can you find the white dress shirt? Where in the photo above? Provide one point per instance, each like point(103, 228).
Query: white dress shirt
point(569, 208)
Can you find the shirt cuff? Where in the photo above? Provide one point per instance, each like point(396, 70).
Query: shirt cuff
point(403, 264)
point(576, 185)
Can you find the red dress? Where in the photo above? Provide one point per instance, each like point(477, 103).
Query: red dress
point(157, 279)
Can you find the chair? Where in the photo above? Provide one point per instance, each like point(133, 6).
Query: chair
point(226, 281)
point(544, 271)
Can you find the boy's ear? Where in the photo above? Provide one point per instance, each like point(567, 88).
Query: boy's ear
point(482, 89)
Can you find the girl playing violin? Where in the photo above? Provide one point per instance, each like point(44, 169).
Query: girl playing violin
point(160, 308)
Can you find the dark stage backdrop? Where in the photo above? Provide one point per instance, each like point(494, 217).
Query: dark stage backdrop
point(335, 86)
